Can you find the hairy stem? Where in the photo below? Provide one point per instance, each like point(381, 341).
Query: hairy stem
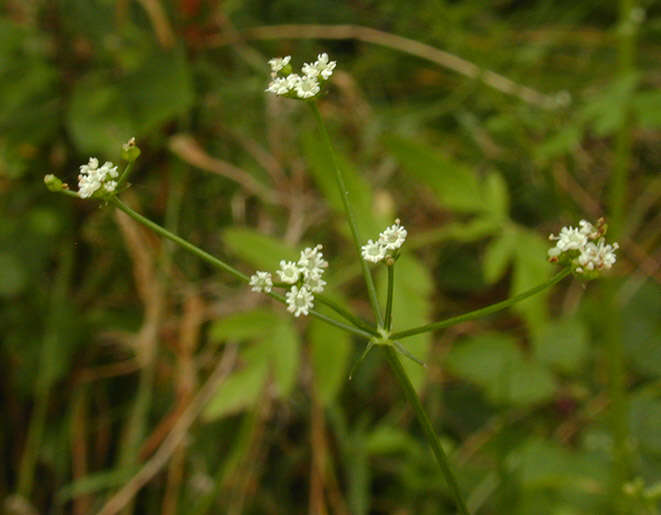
point(423, 419)
point(479, 313)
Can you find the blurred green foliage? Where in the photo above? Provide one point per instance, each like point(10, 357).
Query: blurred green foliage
point(107, 333)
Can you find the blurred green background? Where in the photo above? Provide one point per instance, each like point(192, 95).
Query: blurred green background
point(551, 114)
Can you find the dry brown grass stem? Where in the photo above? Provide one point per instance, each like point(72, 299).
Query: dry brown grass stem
point(385, 39)
point(187, 149)
point(175, 438)
point(159, 21)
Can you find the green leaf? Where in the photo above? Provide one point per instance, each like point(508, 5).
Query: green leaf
point(530, 269)
point(244, 326)
point(386, 439)
point(158, 90)
point(641, 329)
point(563, 344)
point(647, 106)
point(360, 191)
point(261, 251)
point(411, 308)
point(454, 184)
point(99, 118)
point(239, 391)
point(329, 352)
point(645, 420)
point(496, 196)
point(497, 256)
point(283, 348)
point(496, 364)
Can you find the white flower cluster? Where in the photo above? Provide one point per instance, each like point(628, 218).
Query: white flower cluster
point(302, 86)
point(389, 240)
point(92, 178)
point(304, 276)
point(584, 247)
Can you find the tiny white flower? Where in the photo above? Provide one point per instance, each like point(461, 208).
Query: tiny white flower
point(289, 272)
point(279, 86)
point(261, 282)
point(307, 87)
point(315, 283)
point(278, 63)
point(373, 251)
point(299, 300)
point(312, 262)
point(92, 177)
point(293, 80)
point(570, 238)
point(322, 66)
point(393, 237)
point(588, 230)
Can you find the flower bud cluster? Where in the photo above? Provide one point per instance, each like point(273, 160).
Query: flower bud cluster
point(390, 240)
point(303, 277)
point(584, 248)
point(93, 178)
point(306, 85)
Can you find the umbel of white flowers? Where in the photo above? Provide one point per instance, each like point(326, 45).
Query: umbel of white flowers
point(390, 240)
point(584, 248)
point(93, 177)
point(303, 277)
point(303, 86)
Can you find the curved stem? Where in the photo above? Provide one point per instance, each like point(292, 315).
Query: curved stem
point(423, 419)
point(479, 313)
point(125, 175)
point(391, 284)
point(351, 217)
point(214, 261)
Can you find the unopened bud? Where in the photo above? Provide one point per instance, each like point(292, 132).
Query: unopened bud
point(130, 151)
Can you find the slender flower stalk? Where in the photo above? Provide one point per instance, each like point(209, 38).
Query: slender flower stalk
point(344, 194)
point(355, 320)
point(482, 312)
point(214, 261)
point(427, 427)
point(391, 285)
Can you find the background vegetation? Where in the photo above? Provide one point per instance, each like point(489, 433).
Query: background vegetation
point(108, 334)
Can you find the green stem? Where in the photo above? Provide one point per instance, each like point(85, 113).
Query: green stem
point(621, 466)
point(479, 313)
point(391, 285)
point(125, 175)
point(424, 421)
point(214, 261)
point(344, 194)
point(357, 321)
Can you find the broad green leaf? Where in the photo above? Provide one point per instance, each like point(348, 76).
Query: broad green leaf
point(454, 183)
point(495, 363)
point(530, 269)
point(359, 190)
point(645, 421)
point(239, 391)
point(244, 326)
point(647, 106)
point(329, 353)
point(99, 118)
point(283, 348)
point(158, 90)
point(262, 251)
point(13, 274)
point(563, 344)
point(641, 329)
point(411, 308)
point(607, 111)
point(495, 194)
point(563, 142)
point(386, 439)
point(497, 255)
